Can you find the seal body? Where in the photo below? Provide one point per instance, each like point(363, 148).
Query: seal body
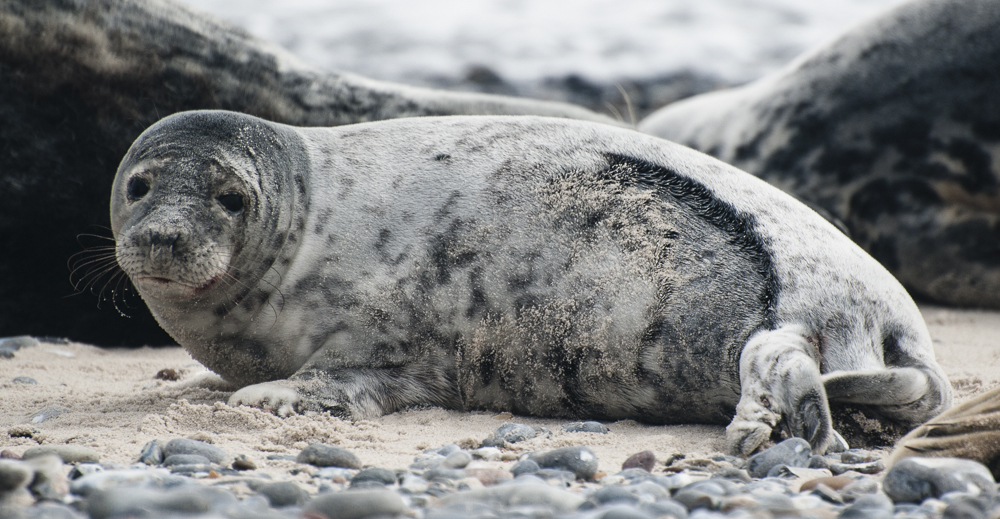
point(534, 265)
point(892, 129)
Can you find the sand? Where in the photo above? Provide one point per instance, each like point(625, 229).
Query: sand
point(111, 402)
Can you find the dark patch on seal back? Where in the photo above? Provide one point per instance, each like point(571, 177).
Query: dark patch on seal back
point(740, 227)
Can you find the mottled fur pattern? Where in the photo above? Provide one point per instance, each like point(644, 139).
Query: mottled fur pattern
point(533, 265)
point(892, 130)
point(80, 80)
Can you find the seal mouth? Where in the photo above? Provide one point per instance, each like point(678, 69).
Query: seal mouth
point(166, 288)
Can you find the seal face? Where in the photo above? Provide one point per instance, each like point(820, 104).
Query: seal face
point(893, 130)
point(533, 265)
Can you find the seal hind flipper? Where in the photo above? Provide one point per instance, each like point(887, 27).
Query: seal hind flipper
point(908, 395)
point(780, 380)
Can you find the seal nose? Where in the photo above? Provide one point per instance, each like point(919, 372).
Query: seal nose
point(158, 239)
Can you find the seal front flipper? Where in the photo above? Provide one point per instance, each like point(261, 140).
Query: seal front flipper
point(780, 380)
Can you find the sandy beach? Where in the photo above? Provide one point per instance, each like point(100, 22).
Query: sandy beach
point(111, 401)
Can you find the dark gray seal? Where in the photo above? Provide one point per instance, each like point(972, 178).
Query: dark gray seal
point(893, 129)
point(80, 80)
point(540, 266)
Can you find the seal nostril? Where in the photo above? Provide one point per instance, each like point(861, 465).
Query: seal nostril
point(162, 240)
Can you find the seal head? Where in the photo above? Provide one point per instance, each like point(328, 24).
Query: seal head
point(202, 209)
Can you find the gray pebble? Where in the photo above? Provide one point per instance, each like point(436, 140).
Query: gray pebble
point(142, 502)
point(871, 467)
point(579, 460)
point(794, 452)
point(444, 450)
point(457, 460)
point(49, 510)
point(557, 476)
point(185, 459)
point(356, 504)
point(67, 453)
point(528, 492)
point(14, 475)
point(513, 433)
point(9, 345)
point(25, 380)
point(282, 494)
point(915, 479)
point(665, 508)
point(526, 466)
point(414, 484)
point(99, 481)
point(322, 455)
point(84, 469)
point(873, 506)
point(614, 494)
point(374, 474)
point(856, 456)
point(590, 427)
point(334, 472)
point(242, 462)
point(693, 499)
point(618, 511)
point(186, 446)
point(50, 481)
point(48, 413)
point(152, 453)
point(434, 474)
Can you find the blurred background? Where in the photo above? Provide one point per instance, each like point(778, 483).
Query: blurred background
point(582, 51)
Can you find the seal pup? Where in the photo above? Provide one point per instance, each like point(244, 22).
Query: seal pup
point(893, 129)
point(534, 265)
point(79, 81)
point(970, 430)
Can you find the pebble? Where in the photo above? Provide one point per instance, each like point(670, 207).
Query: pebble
point(25, 380)
point(283, 493)
point(242, 462)
point(915, 479)
point(793, 452)
point(152, 453)
point(322, 455)
point(512, 433)
point(376, 475)
point(10, 345)
point(579, 460)
point(48, 413)
point(590, 427)
point(200, 448)
point(548, 484)
point(186, 459)
point(356, 504)
point(67, 453)
point(645, 460)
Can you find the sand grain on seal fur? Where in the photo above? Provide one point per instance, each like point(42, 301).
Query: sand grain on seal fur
point(533, 265)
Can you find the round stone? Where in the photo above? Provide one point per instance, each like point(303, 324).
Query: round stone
point(14, 475)
point(374, 475)
point(152, 453)
point(579, 460)
point(794, 452)
point(282, 494)
point(591, 427)
point(185, 459)
point(322, 455)
point(915, 479)
point(356, 504)
point(186, 446)
point(644, 460)
point(456, 460)
point(25, 380)
point(242, 462)
point(67, 453)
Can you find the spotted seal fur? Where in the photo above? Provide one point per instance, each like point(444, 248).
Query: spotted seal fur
point(540, 266)
point(893, 130)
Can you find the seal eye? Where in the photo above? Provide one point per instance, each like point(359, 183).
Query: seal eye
point(137, 188)
point(233, 202)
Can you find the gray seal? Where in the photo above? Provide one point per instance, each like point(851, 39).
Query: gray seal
point(540, 266)
point(893, 129)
